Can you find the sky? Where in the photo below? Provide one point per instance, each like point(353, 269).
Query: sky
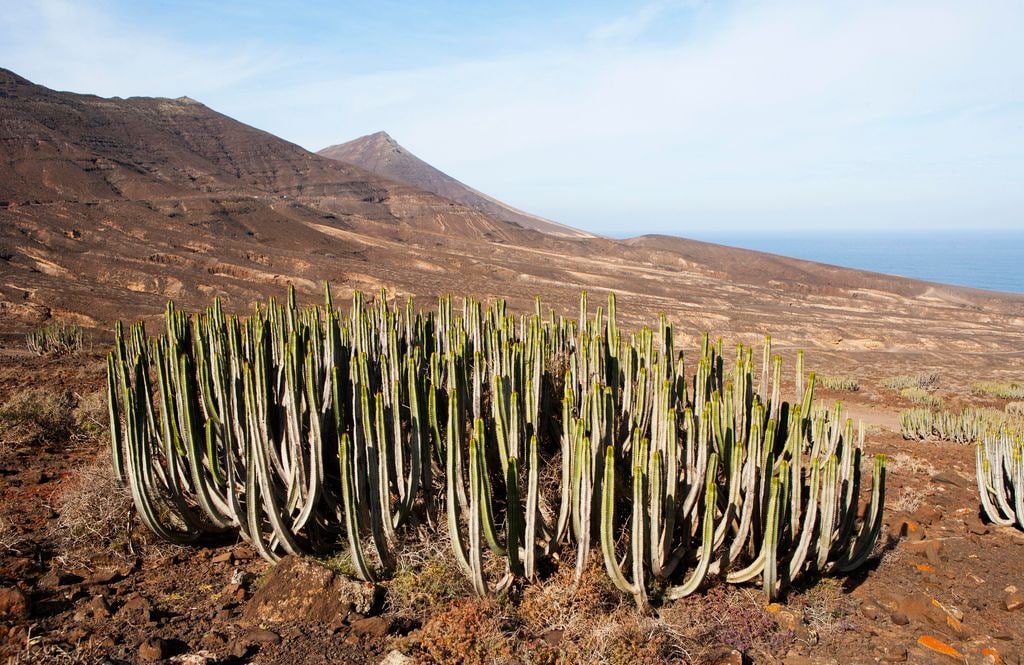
point(621, 118)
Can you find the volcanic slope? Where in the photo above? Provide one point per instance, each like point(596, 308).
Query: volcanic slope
point(381, 154)
point(110, 206)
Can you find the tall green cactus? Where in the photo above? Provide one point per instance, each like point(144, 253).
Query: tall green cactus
point(305, 428)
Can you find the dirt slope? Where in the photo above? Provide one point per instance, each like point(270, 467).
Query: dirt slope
point(110, 206)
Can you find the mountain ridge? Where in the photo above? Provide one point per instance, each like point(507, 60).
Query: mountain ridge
point(109, 207)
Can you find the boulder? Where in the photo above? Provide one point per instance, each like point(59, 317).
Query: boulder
point(299, 589)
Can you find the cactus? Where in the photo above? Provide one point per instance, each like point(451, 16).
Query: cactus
point(56, 339)
point(1000, 475)
point(302, 428)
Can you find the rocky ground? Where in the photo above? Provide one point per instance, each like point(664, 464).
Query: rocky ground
point(81, 582)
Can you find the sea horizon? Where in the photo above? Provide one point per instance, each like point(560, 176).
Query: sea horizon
point(984, 259)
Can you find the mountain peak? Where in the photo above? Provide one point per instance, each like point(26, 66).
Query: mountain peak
point(381, 154)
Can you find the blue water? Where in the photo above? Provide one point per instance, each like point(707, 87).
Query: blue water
point(983, 259)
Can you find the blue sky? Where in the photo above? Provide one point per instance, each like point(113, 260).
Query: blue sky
point(622, 118)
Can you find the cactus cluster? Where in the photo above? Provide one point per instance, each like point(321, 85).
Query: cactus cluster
point(1010, 390)
point(1000, 473)
point(847, 383)
point(925, 381)
point(522, 436)
point(921, 396)
point(55, 339)
point(965, 426)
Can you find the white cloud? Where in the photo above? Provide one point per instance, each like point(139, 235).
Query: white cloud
point(84, 47)
point(884, 113)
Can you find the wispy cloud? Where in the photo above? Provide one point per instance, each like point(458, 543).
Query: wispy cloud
point(800, 113)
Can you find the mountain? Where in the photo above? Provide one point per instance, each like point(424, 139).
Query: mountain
point(381, 154)
point(108, 207)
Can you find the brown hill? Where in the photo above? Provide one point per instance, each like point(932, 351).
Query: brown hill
point(381, 154)
point(111, 206)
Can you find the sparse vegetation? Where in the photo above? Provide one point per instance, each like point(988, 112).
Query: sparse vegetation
point(58, 338)
point(924, 381)
point(921, 396)
point(38, 415)
point(95, 517)
point(847, 383)
point(1015, 409)
point(1009, 390)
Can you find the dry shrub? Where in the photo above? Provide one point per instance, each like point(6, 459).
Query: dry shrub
point(473, 630)
point(427, 577)
point(557, 603)
point(828, 610)
point(11, 537)
point(91, 416)
point(908, 500)
point(38, 416)
point(96, 519)
point(727, 618)
point(910, 463)
point(1015, 409)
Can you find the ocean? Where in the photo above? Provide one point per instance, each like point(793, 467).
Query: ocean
point(983, 259)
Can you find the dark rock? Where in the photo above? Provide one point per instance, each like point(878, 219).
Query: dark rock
point(104, 576)
point(14, 604)
point(926, 514)
point(974, 525)
point(136, 609)
point(929, 549)
point(908, 529)
point(153, 649)
point(953, 478)
point(262, 637)
point(214, 639)
point(53, 579)
point(893, 653)
point(371, 627)
point(302, 590)
point(243, 554)
point(732, 657)
point(900, 619)
point(870, 611)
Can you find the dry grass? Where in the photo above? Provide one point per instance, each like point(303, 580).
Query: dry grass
point(595, 623)
point(912, 464)
point(10, 536)
point(38, 416)
point(96, 517)
point(908, 501)
point(427, 577)
point(828, 611)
